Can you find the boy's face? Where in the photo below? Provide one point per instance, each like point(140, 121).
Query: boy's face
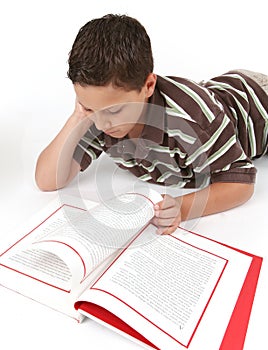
point(115, 111)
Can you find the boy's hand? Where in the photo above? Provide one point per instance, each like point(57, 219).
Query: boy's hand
point(81, 120)
point(167, 215)
point(80, 112)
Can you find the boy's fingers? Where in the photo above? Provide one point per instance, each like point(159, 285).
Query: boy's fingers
point(167, 226)
point(167, 213)
point(166, 222)
point(166, 230)
point(154, 221)
point(167, 202)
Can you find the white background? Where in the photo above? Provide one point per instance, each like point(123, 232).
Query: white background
point(193, 39)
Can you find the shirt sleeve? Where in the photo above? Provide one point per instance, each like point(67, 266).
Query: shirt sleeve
point(87, 150)
point(218, 152)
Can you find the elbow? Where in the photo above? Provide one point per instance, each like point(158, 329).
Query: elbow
point(231, 195)
point(49, 181)
point(247, 192)
point(44, 184)
point(241, 193)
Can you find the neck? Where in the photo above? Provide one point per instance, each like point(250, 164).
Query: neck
point(135, 133)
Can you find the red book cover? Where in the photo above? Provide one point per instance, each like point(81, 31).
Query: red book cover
point(235, 333)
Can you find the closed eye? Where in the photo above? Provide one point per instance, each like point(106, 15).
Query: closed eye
point(115, 111)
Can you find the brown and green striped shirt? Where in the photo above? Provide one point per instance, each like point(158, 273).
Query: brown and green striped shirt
point(195, 133)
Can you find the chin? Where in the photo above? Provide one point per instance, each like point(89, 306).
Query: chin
point(121, 135)
point(118, 134)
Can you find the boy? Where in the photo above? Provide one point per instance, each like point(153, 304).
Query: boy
point(165, 130)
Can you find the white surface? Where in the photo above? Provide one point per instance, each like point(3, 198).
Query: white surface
point(36, 99)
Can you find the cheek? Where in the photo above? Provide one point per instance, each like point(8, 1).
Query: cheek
point(127, 120)
point(133, 113)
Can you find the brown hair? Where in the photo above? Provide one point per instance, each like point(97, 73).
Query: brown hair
point(112, 49)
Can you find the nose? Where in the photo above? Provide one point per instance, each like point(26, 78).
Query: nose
point(102, 121)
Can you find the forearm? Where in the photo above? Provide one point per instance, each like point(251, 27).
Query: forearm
point(216, 198)
point(55, 164)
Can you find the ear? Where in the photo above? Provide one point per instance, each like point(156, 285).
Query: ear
point(150, 84)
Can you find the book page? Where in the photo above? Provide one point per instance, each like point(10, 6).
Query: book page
point(163, 288)
point(98, 233)
point(43, 275)
point(54, 257)
point(46, 263)
point(66, 247)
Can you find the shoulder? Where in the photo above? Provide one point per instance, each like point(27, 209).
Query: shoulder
point(189, 100)
point(184, 90)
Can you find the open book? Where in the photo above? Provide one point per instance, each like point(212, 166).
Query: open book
point(106, 262)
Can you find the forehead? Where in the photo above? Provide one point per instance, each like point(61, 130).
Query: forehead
point(100, 97)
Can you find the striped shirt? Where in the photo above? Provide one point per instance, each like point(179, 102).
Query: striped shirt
point(195, 134)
